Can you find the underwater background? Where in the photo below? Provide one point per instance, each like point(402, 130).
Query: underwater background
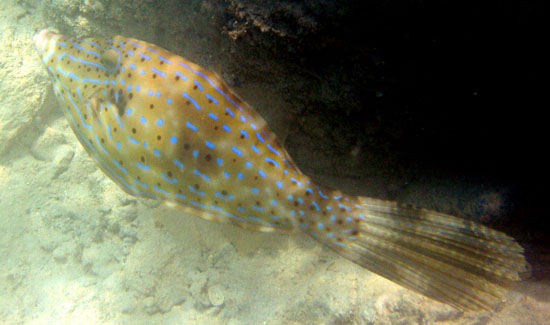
point(424, 102)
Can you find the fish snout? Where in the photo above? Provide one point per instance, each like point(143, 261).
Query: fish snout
point(41, 39)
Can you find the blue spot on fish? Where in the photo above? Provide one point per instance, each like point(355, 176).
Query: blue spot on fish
point(191, 126)
point(236, 151)
point(157, 71)
point(178, 163)
point(184, 94)
point(209, 144)
point(269, 160)
point(206, 177)
point(168, 179)
point(214, 100)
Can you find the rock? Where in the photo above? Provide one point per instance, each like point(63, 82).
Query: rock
point(45, 147)
point(60, 254)
point(216, 296)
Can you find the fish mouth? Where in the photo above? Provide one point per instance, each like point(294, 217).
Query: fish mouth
point(41, 38)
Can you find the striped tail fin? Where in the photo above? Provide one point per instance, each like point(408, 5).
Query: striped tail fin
point(449, 259)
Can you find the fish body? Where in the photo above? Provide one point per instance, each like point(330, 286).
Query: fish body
point(165, 128)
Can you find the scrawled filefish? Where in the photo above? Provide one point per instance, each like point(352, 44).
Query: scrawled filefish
point(162, 127)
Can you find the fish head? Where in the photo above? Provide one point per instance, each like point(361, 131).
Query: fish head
point(83, 66)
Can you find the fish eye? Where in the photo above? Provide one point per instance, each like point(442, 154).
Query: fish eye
point(110, 59)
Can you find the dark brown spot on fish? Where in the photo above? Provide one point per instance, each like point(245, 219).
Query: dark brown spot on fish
point(102, 140)
point(142, 59)
point(159, 137)
point(154, 76)
point(121, 106)
point(186, 146)
point(169, 173)
point(142, 159)
point(197, 186)
point(355, 233)
point(120, 162)
point(208, 157)
point(161, 62)
point(134, 130)
point(296, 203)
point(151, 106)
point(224, 192)
point(216, 127)
point(130, 95)
point(85, 116)
point(129, 75)
point(177, 78)
point(307, 193)
point(195, 87)
point(339, 221)
point(187, 102)
point(258, 203)
point(209, 101)
point(242, 136)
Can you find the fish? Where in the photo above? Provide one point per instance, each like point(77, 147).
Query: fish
point(162, 127)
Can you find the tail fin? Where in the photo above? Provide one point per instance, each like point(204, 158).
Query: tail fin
point(452, 260)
